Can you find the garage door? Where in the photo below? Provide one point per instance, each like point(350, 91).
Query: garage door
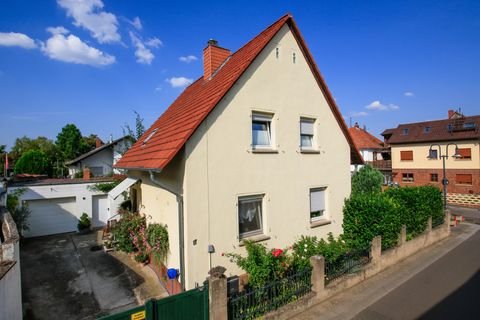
point(51, 216)
point(99, 211)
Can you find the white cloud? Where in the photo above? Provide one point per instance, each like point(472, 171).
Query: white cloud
point(377, 105)
point(158, 88)
point(178, 82)
point(143, 54)
point(188, 59)
point(73, 50)
point(136, 23)
point(89, 15)
point(359, 114)
point(409, 94)
point(58, 30)
point(14, 39)
point(154, 42)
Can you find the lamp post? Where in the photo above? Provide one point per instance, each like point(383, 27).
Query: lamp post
point(443, 156)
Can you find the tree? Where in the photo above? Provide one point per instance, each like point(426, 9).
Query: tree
point(70, 142)
point(90, 142)
point(25, 144)
point(139, 127)
point(32, 161)
point(367, 180)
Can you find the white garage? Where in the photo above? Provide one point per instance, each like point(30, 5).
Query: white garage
point(51, 216)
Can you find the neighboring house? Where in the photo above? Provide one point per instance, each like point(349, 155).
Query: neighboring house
point(101, 160)
point(373, 152)
point(57, 204)
point(410, 147)
point(255, 149)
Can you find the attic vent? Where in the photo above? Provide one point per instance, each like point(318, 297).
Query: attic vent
point(149, 136)
point(427, 129)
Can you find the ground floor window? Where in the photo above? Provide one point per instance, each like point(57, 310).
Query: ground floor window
point(463, 179)
point(434, 177)
point(407, 177)
point(317, 203)
point(250, 215)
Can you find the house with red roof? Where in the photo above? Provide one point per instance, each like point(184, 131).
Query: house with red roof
point(255, 149)
point(418, 150)
point(372, 151)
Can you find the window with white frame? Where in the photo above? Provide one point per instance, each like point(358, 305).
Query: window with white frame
point(318, 203)
point(261, 130)
point(250, 215)
point(307, 133)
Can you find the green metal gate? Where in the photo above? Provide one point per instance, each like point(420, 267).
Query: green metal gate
point(191, 305)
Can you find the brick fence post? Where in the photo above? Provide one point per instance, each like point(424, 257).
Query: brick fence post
point(217, 295)
point(429, 225)
point(447, 220)
point(318, 274)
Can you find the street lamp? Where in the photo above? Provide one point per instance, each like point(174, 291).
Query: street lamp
point(443, 156)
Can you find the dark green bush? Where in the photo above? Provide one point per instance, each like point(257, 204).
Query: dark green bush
point(84, 222)
point(366, 216)
point(417, 205)
point(367, 180)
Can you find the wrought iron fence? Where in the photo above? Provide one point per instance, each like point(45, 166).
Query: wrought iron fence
point(349, 262)
point(438, 221)
point(253, 303)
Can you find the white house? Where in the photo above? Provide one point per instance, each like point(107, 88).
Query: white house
point(255, 149)
point(101, 160)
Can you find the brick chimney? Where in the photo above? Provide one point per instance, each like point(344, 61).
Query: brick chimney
point(86, 174)
point(98, 142)
point(213, 57)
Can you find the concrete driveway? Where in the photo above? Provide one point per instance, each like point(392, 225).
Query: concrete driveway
point(69, 276)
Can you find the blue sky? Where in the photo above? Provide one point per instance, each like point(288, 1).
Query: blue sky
point(91, 63)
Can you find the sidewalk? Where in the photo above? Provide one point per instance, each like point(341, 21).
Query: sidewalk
point(351, 302)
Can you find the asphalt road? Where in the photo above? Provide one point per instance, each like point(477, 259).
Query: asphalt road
point(447, 289)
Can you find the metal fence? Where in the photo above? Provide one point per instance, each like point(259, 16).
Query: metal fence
point(438, 221)
point(349, 262)
point(254, 303)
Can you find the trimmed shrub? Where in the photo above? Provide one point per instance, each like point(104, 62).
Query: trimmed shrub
point(84, 222)
point(367, 180)
point(366, 216)
point(417, 205)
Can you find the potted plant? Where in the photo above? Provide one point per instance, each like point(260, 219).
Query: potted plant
point(84, 224)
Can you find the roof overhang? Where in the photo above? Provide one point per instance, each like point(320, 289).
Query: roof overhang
point(121, 187)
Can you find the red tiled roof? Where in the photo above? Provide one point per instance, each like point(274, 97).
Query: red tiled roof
point(182, 118)
point(363, 139)
point(464, 128)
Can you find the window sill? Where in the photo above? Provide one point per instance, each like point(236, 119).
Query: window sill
point(257, 238)
point(310, 151)
point(266, 150)
point(318, 223)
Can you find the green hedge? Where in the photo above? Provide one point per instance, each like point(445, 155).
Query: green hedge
point(417, 205)
point(366, 216)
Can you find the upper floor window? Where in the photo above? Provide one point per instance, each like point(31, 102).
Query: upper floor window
point(406, 155)
point(307, 133)
point(405, 131)
point(433, 154)
point(262, 130)
point(250, 216)
point(466, 153)
point(317, 203)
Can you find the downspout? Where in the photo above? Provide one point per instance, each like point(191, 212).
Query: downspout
point(181, 228)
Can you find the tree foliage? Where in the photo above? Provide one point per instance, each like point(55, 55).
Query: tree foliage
point(33, 161)
point(70, 142)
point(139, 127)
point(367, 180)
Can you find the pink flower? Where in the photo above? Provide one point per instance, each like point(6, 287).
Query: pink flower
point(277, 252)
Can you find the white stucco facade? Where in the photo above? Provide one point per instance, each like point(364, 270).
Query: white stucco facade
point(218, 165)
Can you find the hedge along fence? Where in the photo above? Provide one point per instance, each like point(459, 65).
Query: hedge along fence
point(367, 215)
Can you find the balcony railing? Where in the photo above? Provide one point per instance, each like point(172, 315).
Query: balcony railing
point(380, 164)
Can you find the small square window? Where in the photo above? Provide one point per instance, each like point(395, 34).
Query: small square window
point(407, 177)
point(405, 131)
point(250, 216)
point(317, 203)
point(261, 131)
point(434, 177)
point(307, 133)
point(433, 154)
